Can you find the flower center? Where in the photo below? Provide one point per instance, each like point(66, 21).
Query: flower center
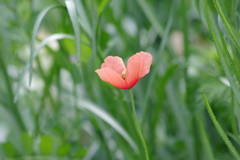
point(123, 75)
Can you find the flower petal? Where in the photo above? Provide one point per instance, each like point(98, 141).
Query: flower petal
point(109, 75)
point(115, 63)
point(133, 69)
point(147, 61)
point(138, 66)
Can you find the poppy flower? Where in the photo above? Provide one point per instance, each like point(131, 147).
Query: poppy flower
point(114, 71)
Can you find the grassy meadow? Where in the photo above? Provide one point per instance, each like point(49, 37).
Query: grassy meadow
point(54, 106)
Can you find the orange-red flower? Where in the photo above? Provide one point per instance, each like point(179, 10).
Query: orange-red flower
point(114, 71)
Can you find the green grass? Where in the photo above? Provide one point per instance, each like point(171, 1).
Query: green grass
point(67, 112)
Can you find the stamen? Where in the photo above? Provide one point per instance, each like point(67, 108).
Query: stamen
point(123, 75)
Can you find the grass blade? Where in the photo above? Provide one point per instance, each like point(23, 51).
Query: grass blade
point(226, 24)
point(222, 53)
point(53, 37)
point(83, 18)
point(110, 120)
point(102, 6)
point(155, 70)
point(151, 16)
point(221, 131)
point(205, 143)
point(177, 107)
point(94, 36)
point(13, 106)
point(34, 34)
point(233, 117)
point(73, 16)
point(228, 59)
point(92, 151)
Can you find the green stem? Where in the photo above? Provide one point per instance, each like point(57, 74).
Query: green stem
point(14, 108)
point(94, 41)
point(137, 125)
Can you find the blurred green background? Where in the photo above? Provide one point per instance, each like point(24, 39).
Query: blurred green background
point(53, 106)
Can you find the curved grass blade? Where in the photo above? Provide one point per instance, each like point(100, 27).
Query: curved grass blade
point(226, 24)
point(34, 34)
point(220, 130)
point(73, 16)
point(110, 120)
point(53, 37)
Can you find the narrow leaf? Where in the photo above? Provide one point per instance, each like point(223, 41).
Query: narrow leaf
point(108, 119)
point(222, 53)
point(231, 64)
point(53, 37)
point(92, 151)
point(177, 106)
point(221, 131)
point(34, 34)
point(73, 16)
point(205, 141)
point(155, 69)
point(102, 6)
point(226, 24)
point(83, 17)
point(151, 16)
point(94, 31)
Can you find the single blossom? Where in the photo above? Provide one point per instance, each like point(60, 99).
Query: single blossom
point(114, 71)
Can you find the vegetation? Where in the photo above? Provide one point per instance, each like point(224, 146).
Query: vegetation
point(54, 106)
